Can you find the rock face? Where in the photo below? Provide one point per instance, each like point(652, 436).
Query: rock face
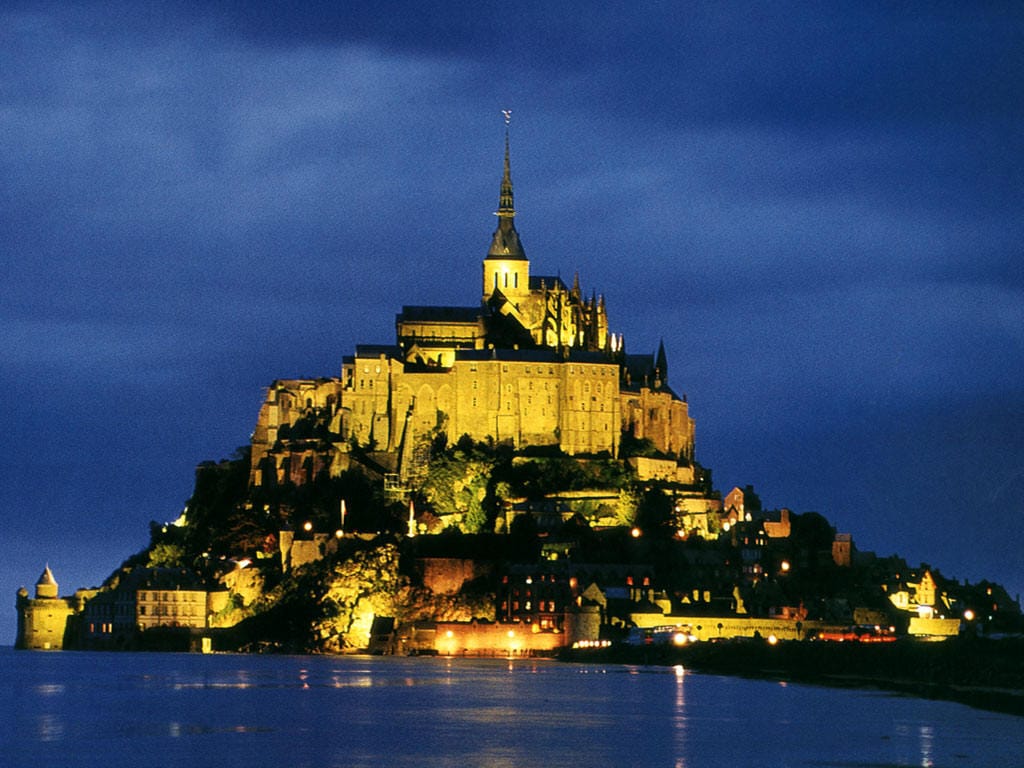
point(363, 586)
point(329, 606)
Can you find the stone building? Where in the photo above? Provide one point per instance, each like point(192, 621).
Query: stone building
point(534, 363)
point(147, 598)
point(45, 622)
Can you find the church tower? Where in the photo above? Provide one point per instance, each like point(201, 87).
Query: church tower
point(506, 268)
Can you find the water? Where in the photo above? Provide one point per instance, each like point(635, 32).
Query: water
point(93, 709)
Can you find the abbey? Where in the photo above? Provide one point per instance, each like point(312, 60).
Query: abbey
point(533, 363)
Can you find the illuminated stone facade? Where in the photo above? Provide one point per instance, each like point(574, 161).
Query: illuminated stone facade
point(145, 599)
point(533, 364)
point(44, 622)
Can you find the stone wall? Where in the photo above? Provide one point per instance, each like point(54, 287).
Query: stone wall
point(446, 575)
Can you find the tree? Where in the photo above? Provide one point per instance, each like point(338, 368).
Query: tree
point(167, 555)
point(655, 513)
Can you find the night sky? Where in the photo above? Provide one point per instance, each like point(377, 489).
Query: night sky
point(816, 206)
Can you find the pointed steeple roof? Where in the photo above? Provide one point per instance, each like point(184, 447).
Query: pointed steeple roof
point(505, 243)
point(661, 362)
point(46, 587)
point(47, 577)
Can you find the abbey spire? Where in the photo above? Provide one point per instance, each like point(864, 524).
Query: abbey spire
point(506, 267)
point(505, 243)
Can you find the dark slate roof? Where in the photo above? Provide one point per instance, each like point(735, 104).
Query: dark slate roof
point(523, 355)
point(542, 355)
point(641, 374)
point(376, 350)
point(162, 578)
point(550, 281)
point(440, 314)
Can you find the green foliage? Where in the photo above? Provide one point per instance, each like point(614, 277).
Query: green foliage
point(627, 505)
point(638, 446)
point(655, 514)
point(458, 484)
point(537, 477)
point(166, 555)
point(213, 513)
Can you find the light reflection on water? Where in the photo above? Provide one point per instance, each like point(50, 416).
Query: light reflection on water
point(84, 709)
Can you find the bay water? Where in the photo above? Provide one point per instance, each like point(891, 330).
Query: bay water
point(78, 709)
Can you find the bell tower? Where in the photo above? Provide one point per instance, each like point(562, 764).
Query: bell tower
point(506, 268)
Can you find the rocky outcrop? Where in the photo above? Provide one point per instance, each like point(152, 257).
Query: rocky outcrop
point(358, 588)
point(329, 606)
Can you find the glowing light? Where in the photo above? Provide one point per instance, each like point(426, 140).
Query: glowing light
point(784, 566)
point(726, 526)
point(968, 615)
point(635, 533)
point(679, 638)
point(679, 671)
point(772, 640)
point(307, 526)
